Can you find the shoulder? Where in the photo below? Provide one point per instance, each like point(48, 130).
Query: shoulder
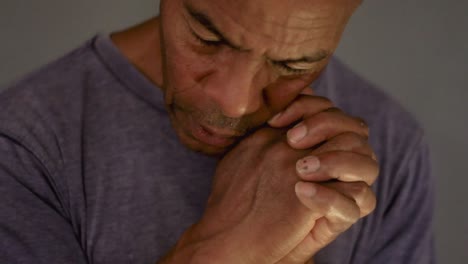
point(391, 125)
point(38, 108)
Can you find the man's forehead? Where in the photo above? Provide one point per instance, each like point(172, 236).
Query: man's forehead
point(277, 9)
point(293, 15)
point(277, 28)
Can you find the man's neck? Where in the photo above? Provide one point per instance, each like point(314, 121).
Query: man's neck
point(141, 45)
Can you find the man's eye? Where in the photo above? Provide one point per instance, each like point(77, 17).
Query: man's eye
point(290, 71)
point(205, 42)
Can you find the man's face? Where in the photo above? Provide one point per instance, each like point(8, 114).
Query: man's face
point(230, 65)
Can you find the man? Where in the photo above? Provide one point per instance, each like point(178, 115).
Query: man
point(212, 134)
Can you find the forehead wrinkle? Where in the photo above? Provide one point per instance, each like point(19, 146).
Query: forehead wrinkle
point(271, 32)
point(279, 39)
point(288, 31)
point(308, 36)
point(314, 15)
point(308, 21)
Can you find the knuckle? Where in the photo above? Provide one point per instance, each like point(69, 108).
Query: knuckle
point(348, 212)
point(362, 122)
point(374, 171)
point(359, 190)
point(320, 119)
point(363, 125)
point(348, 141)
point(300, 104)
point(308, 100)
point(334, 110)
point(348, 216)
point(324, 101)
point(353, 139)
point(340, 210)
point(331, 203)
point(355, 216)
point(371, 203)
point(351, 215)
point(365, 198)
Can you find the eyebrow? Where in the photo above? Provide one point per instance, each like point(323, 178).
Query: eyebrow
point(205, 21)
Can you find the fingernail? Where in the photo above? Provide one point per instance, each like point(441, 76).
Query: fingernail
point(307, 165)
point(305, 189)
point(275, 118)
point(297, 133)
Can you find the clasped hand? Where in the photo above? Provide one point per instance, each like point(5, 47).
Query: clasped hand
point(282, 195)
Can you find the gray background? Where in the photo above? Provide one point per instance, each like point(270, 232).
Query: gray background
point(416, 50)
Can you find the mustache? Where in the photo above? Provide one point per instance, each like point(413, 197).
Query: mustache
point(240, 125)
point(215, 118)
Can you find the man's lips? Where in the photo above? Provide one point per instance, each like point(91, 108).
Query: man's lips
point(216, 137)
point(213, 136)
point(209, 135)
point(220, 132)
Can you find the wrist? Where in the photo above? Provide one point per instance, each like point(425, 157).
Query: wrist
point(195, 247)
point(224, 246)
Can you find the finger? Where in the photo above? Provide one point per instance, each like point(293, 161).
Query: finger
point(339, 209)
point(323, 126)
point(338, 165)
point(348, 141)
point(302, 253)
point(308, 91)
point(305, 105)
point(339, 213)
point(359, 192)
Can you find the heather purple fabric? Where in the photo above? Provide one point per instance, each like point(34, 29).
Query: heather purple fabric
point(92, 172)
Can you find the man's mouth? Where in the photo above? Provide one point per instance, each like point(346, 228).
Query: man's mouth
point(212, 136)
point(209, 135)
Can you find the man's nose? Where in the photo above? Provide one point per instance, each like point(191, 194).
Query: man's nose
point(237, 88)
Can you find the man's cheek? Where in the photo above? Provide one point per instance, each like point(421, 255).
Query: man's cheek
point(179, 72)
point(190, 70)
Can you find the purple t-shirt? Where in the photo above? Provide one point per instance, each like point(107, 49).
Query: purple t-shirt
point(91, 170)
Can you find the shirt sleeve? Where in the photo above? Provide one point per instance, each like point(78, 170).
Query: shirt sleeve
point(33, 225)
point(406, 231)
